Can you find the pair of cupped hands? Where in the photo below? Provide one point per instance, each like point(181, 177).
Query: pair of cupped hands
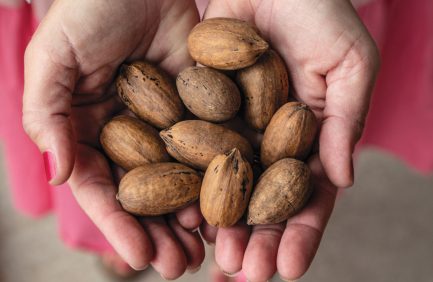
point(69, 68)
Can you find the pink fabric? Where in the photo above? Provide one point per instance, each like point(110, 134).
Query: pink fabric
point(30, 191)
point(401, 117)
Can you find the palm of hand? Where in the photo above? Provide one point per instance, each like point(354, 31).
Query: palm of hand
point(81, 45)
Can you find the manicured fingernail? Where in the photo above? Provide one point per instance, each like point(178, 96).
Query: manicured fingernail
point(50, 165)
point(140, 268)
point(228, 274)
point(193, 270)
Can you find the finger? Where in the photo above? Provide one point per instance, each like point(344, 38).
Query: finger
point(190, 217)
point(230, 247)
point(192, 244)
point(217, 276)
point(230, 9)
point(169, 260)
point(304, 231)
point(169, 46)
point(340, 99)
point(47, 104)
point(208, 232)
point(260, 260)
point(347, 100)
point(94, 190)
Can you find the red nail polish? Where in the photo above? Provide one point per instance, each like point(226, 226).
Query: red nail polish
point(50, 165)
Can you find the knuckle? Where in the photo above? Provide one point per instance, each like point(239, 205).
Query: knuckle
point(29, 52)
point(29, 126)
point(373, 57)
point(359, 125)
point(271, 230)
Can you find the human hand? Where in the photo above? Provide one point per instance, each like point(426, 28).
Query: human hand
point(288, 247)
point(69, 68)
point(332, 62)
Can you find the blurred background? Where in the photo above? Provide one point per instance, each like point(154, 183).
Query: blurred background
point(381, 230)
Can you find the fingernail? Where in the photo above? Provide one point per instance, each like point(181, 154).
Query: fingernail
point(50, 165)
point(193, 270)
point(228, 274)
point(166, 279)
point(287, 280)
point(140, 268)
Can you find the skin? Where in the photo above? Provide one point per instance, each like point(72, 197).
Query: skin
point(70, 64)
point(333, 62)
point(287, 248)
point(69, 68)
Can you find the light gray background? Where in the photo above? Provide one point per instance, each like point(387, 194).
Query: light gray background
point(381, 230)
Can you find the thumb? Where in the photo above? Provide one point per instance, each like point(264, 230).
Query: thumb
point(350, 85)
point(347, 88)
point(47, 104)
